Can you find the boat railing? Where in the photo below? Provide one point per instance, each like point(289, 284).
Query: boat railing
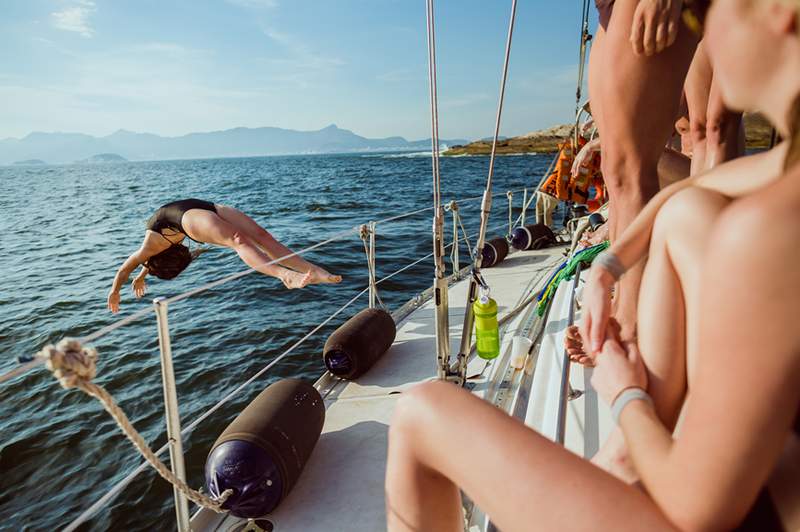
point(161, 308)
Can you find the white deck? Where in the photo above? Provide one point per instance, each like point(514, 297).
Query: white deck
point(341, 488)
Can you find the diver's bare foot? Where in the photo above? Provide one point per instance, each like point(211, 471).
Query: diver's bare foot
point(292, 279)
point(321, 276)
point(613, 457)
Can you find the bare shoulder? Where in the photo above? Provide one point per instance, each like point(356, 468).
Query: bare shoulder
point(745, 175)
point(757, 234)
point(153, 243)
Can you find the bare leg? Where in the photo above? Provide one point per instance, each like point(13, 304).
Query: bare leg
point(272, 247)
point(723, 129)
point(640, 97)
point(697, 89)
point(211, 228)
point(552, 488)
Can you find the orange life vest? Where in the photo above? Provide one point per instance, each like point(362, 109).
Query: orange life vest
point(563, 186)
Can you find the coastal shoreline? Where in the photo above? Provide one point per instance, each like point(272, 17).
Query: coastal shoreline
point(758, 133)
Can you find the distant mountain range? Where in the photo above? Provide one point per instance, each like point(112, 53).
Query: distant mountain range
point(237, 142)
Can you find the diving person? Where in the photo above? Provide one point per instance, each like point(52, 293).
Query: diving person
point(163, 255)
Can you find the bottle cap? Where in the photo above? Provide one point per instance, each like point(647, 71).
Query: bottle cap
point(483, 295)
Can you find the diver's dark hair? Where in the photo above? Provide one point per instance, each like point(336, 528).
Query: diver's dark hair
point(170, 262)
point(793, 155)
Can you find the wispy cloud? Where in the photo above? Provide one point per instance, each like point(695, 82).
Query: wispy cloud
point(75, 18)
point(254, 3)
point(465, 100)
point(401, 75)
point(299, 64)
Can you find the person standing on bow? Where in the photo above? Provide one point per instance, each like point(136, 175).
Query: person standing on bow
point(638, 63)
point(162, 253)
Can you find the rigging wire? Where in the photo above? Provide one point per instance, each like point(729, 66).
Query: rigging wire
point(486, 207)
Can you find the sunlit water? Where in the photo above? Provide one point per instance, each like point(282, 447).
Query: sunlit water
point(64, 230)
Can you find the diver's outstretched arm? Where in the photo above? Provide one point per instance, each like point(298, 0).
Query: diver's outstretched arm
point(152, 245)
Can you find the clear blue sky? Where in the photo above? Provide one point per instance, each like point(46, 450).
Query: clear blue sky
point(175, 66)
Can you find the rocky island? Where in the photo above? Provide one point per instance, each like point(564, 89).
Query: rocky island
point(101, 158)
point(29, 162)
point(757, 130)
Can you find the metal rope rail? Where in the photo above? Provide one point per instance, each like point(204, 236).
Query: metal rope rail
point(28, 364)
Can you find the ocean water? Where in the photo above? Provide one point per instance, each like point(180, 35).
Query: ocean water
point(64, 231)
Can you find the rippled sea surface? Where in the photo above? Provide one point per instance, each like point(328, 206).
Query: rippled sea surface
point(64, 230)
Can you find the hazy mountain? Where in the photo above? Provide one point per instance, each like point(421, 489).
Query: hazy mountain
point(102, 158)
point(237, 142)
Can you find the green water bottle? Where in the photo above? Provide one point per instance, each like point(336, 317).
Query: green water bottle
point(487, 332)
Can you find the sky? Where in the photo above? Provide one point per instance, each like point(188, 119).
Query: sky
point(173, 67)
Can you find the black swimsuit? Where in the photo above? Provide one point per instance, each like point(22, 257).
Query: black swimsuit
point(170, 215)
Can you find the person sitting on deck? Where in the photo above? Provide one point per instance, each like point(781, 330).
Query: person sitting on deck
point(742, 369)
point(162, 254)
point(673, 232)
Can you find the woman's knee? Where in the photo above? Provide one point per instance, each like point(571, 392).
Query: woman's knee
point(689, 214)
point(238, 239)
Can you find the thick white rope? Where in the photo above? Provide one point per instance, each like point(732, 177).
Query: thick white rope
point(74, 366)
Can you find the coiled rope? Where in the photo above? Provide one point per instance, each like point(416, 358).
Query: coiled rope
point(74, 366)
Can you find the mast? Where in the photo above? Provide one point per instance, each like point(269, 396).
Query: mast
point(440, 288)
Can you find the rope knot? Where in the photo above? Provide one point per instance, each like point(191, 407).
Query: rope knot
point(71, 363)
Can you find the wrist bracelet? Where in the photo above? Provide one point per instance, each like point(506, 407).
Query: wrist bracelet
point(626, 396)
point(611, 263)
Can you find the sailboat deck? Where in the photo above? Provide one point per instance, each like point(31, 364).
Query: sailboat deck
point(341, 488)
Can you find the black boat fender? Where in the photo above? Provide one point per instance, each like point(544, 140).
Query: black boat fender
point(534, 236)
point(494, 252)
point(355, 346)
point(263, 451)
